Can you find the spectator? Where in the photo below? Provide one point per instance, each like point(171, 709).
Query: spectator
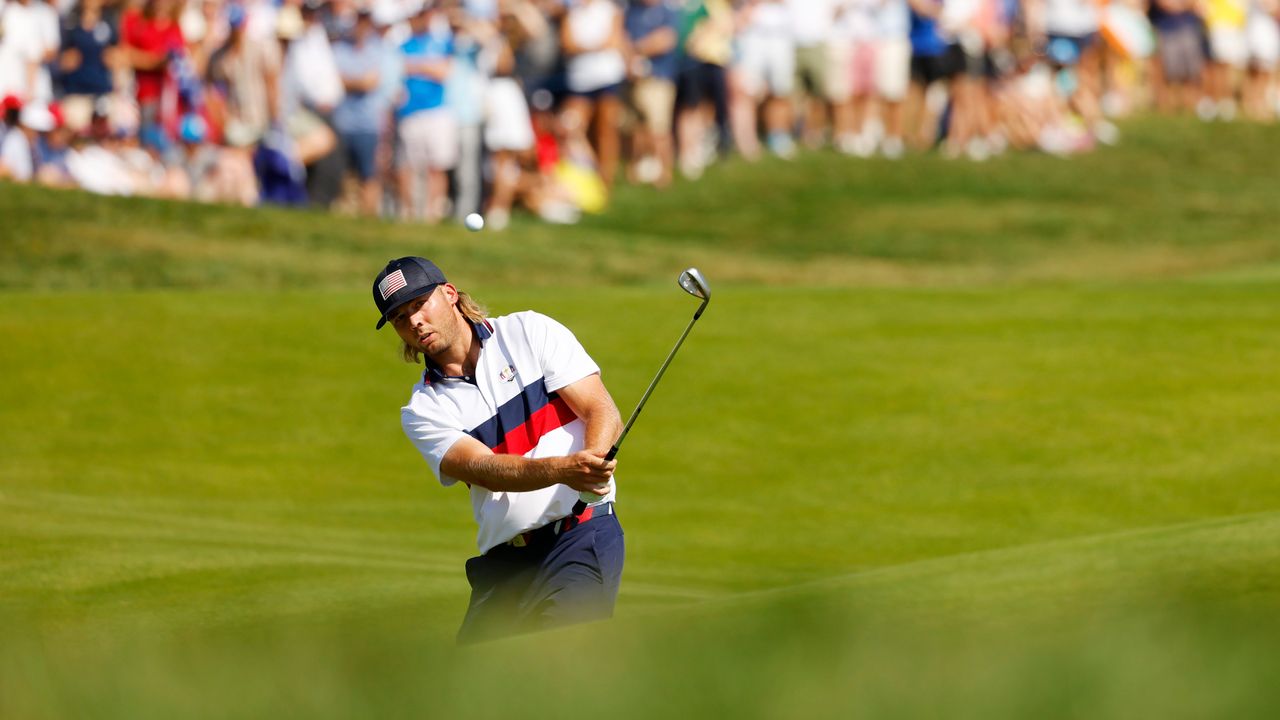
point(811, 24)
point(508, 129)
point(1071, 41)
point(85, 62)
point(10, 110)
point(151, 37)
point(204, 28)
point(390, 17)
point(29, 38)
point(892, 70)
point(53, 149)
point(19, 151)
point(977, 27)
point(248, 74)
point(465, 91)
point(935, 61)
point(594, 42)
point(702, 91)
point(1226, 22)
point(1264, 56)
point(651, 29)
point(428, 131)
point(1181, 54)
point(360, 117)
point(852, 81)
point(532, 28)
point(95, 167)
point(767, 71)
point(311, 89)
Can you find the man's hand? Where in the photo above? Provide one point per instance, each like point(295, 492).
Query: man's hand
point(585, 471)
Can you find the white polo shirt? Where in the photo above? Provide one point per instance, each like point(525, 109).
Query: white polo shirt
point(512, 407)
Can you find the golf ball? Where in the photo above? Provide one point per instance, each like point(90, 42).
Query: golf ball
point(474, 222)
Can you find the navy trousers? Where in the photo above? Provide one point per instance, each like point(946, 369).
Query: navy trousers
point(555, 580)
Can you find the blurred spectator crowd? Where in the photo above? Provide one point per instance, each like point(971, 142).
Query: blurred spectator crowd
point(423, 110)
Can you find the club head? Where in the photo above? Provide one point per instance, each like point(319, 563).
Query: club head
point(692, 282)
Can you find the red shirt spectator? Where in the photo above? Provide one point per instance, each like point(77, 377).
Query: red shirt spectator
point(151, 34)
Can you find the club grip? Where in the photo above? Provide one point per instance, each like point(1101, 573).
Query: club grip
point(587, 498)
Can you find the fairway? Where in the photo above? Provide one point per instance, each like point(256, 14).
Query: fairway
point(976, 442)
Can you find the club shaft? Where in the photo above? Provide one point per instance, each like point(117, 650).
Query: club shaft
point(613, 451)
point(586, 498)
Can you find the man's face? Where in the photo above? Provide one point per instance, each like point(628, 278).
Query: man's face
point(430, 323)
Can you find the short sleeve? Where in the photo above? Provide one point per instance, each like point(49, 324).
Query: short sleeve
point(432, 431)
point(564, 361)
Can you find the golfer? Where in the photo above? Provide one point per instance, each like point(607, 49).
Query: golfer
point(514, 409)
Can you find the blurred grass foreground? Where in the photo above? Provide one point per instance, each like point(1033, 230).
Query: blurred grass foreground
point(952, 441)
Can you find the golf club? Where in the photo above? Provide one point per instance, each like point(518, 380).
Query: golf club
point(692, 282)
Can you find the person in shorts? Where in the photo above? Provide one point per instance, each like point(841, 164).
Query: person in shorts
point(651, 29)
point(811, 28)
point(361, 115)
point(508, 127)
point(766, 70)
point(594, 42)
point(1181, 53)
point(935, 61)
point(1264, 56)
point(1226, 22)
point(428, 131)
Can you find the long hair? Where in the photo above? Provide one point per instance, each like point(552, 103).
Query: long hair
point(473, 311)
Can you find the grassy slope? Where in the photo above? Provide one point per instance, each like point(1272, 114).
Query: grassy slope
point(1062, 495)
point(1167, 202)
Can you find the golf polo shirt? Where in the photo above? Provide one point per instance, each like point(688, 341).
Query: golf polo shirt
point(512, 407)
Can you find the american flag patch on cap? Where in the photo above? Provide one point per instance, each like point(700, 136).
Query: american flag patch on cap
point(391, 283)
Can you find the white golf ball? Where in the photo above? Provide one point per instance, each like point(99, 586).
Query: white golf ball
point(474, 222)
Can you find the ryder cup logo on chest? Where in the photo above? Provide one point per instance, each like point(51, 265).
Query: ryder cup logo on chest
point(508, 374)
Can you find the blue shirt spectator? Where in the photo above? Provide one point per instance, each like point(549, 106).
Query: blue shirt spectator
point(926, 38)
point(88, 34)
point(423, 93)
point(643, 19)
point(361, 111)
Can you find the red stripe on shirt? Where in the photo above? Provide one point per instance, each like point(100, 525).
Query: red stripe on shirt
point(522, 439)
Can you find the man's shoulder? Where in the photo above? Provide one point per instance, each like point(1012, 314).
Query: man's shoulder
point(522, 321)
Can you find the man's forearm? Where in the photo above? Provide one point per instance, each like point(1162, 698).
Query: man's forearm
point(508, 473)
point(603, 428)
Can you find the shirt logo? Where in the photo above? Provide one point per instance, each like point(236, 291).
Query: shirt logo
point(391, 283)
point(508, 374)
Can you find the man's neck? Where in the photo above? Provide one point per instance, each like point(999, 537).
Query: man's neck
point(461, 359)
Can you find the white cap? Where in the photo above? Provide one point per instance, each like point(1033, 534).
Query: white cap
point(36, 117)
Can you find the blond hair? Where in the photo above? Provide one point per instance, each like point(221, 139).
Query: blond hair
point(473, 311)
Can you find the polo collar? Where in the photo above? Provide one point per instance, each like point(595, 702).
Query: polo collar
point(483, 331)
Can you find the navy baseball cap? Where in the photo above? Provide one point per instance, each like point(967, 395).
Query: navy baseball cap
point(403, 280)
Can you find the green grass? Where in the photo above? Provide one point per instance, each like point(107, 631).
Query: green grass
point(950, 441)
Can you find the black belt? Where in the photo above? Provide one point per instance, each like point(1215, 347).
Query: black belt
point(550, 531)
